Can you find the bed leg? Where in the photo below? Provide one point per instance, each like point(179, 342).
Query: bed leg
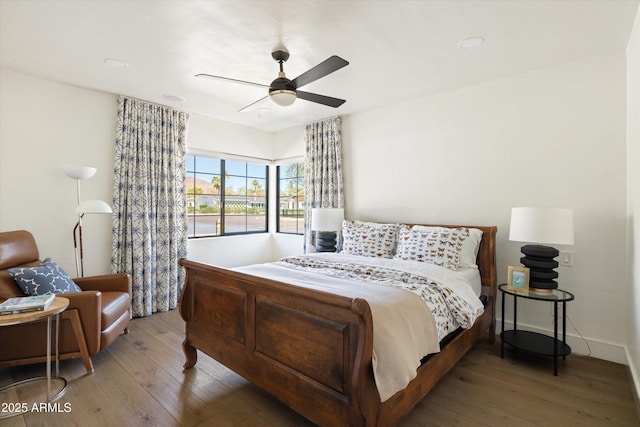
point(492, 327)
point(492, 333)
point(190, 354)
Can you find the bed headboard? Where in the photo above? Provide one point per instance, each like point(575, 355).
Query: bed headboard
point(486, 259)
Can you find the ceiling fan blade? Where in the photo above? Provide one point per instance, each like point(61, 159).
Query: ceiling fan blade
point(324, 68)
point(251, 106)
point(321, 99)
point(210, 76)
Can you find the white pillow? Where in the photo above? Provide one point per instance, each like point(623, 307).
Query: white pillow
point(470, 245)
point(369, 239)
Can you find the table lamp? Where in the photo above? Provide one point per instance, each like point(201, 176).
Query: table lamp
point(326, 222)
point(550, 226)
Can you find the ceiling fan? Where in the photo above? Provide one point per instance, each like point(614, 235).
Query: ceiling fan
point(284, 91)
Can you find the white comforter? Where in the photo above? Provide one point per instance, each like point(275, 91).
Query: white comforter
point(402, 296)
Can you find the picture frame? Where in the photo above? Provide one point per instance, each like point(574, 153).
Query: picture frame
point(518, 279)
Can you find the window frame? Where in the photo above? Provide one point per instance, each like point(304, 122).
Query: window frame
point(191, 217)
point(299, 174)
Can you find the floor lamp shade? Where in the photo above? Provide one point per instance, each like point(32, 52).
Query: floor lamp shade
point(81, 173)
point(550, 226)
point(325, 222)
point(93, 207)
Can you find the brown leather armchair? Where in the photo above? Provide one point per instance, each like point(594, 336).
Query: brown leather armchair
point(94, 319)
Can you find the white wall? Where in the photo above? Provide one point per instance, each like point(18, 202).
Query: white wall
point(44, 125)
point(633, 204)
point(553, 137)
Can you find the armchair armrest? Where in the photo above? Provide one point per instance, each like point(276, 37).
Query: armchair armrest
point(89, 306)
point(119, 282)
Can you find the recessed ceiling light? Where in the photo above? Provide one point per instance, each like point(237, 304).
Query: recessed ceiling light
point(116, 63)
point(173, 98)
point(471, 42)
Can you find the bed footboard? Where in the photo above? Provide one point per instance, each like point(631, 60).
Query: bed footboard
point(310, 349)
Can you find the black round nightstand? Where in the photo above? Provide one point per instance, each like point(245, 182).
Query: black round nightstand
point(534, 342)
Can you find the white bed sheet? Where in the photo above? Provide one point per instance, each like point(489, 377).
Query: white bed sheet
point(472, 275)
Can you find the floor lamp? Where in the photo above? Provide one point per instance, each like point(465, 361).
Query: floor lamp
point(81, 173)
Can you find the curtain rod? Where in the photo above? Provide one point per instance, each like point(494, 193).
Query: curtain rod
point(152, 103)
point(294, 159)
point(225, 155)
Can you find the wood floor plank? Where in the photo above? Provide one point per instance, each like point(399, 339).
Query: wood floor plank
point(138, 362)
point(139, 381)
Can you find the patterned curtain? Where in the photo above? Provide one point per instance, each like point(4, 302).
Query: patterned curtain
point(322, 170)
point(149, 200)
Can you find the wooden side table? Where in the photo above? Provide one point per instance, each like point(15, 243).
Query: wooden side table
point(58, 306)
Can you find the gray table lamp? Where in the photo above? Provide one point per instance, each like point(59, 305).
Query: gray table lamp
point(326, 222)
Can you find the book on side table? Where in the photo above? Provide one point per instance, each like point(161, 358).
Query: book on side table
point(26, 304)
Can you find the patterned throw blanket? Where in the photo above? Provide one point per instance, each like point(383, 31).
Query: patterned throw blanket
point(449, 310)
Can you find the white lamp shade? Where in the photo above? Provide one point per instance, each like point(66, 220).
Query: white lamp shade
point(552, 226)
point(327, 219)
point(284, 98)
point(78, 172)
point(93, 207)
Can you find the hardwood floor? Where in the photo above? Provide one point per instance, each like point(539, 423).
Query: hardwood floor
point(139, 381)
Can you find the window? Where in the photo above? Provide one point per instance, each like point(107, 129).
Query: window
point(291, 198)
point(225, 196)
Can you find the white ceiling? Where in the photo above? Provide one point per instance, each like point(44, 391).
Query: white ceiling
point(397, 50)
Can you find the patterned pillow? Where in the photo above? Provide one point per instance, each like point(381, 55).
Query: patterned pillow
point(369, 239)
point(441, 247)
point(470, 246)
point(47, 278)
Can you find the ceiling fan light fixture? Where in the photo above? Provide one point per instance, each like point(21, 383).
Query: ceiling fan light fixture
point(284, 92)
point(283, 97)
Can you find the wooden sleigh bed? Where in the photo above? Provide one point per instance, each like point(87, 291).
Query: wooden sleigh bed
point(311, 349)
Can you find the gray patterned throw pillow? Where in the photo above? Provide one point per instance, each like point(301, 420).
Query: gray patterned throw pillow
point(47, 278)
point(439, 247)
point(369, 238)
